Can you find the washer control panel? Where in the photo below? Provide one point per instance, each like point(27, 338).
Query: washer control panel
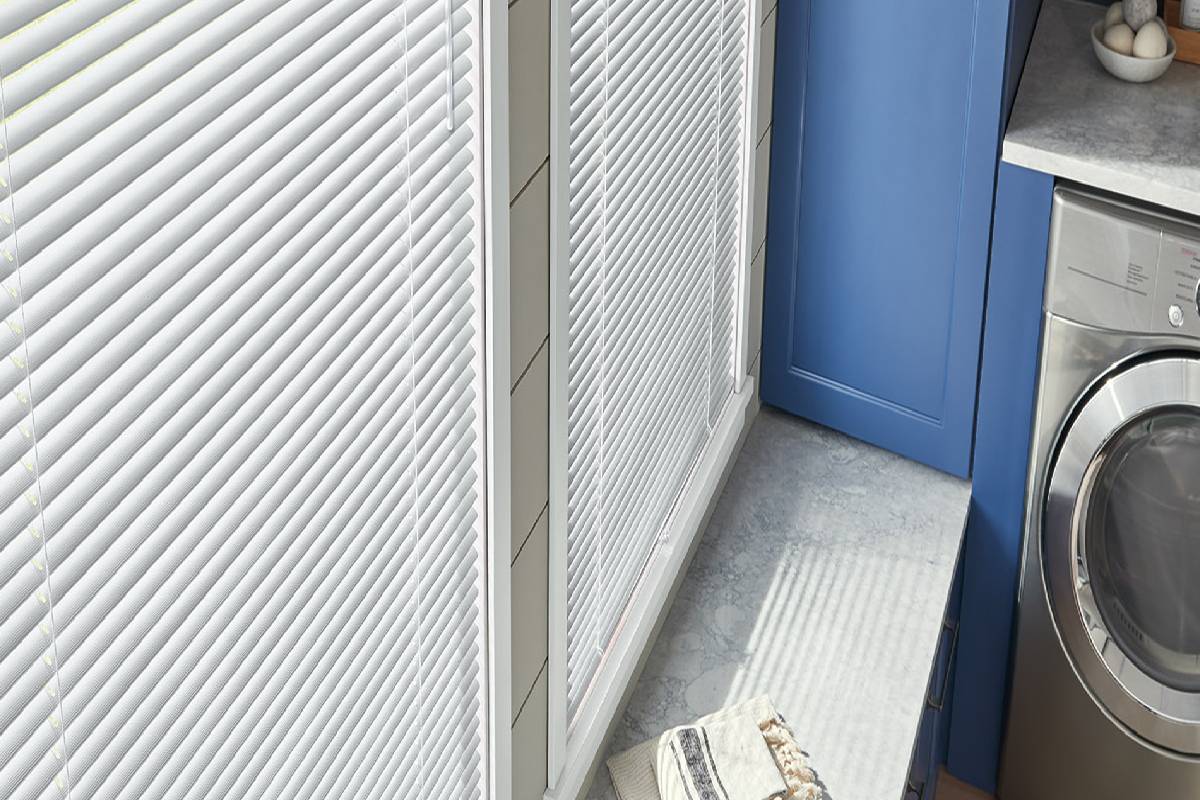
point(1117, 266)
point(1179, 274)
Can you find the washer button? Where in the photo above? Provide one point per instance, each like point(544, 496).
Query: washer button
point(1175, 315)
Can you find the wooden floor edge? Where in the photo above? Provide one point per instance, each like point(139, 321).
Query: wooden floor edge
point(951, 788)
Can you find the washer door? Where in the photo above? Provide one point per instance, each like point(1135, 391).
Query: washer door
point(1121, 548)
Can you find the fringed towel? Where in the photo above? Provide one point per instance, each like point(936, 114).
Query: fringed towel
point(723, 760)
point(633, 772)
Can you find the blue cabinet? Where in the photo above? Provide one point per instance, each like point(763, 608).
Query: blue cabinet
point(933, 737)
point(992, 550)
point(886, 131)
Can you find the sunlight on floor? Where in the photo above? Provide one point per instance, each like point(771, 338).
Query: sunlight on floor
point(817, 582)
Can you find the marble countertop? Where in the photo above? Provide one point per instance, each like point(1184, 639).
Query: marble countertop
point(821, 580)
point(1074, 120)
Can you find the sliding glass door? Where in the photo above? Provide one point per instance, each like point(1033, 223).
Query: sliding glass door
point(243, 530)
point(651, 154)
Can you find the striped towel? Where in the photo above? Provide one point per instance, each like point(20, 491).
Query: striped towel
point(723, 760)
point(633, 771)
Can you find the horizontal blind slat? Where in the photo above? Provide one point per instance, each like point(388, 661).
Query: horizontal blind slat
point(654, 191)
point(247, 308)
point(48, 27)
point(109, 95)
point(26, 81)
point(235, 118)
point(650, 476)
point(242, 343)
point(240, 223)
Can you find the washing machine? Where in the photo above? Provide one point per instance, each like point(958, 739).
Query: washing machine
point(1105, 697)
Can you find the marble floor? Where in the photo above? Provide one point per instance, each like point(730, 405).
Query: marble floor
point(821, 581)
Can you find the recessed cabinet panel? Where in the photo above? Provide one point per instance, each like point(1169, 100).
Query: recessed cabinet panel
point(882, 171)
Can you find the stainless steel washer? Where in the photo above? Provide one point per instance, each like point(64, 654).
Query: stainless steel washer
point(1106, 683)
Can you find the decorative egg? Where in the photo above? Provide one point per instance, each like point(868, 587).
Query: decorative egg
point(1114, 16)
point(1139, 12)
point(1150, 42)
point(1119, 38)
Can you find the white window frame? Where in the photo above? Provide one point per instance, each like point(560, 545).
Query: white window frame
point(498, 414)
point(572, 755)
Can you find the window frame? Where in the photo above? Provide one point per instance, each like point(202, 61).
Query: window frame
point(571, 755)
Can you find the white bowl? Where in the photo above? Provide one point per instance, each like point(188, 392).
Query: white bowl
point(1132, 68)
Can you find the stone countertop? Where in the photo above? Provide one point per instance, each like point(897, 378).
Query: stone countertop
point(821, 580)
point(1074, 120)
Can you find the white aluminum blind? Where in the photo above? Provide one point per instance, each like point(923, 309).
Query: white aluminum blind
point(241, 526)
point(656, 152)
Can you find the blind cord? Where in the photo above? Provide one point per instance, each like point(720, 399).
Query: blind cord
point(58, 751)
point(450, 65)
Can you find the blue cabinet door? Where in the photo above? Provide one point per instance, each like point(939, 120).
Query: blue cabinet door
point(887, 120)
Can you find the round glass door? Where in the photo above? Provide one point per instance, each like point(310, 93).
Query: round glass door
point(1120, 537)
point(1141, 541)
